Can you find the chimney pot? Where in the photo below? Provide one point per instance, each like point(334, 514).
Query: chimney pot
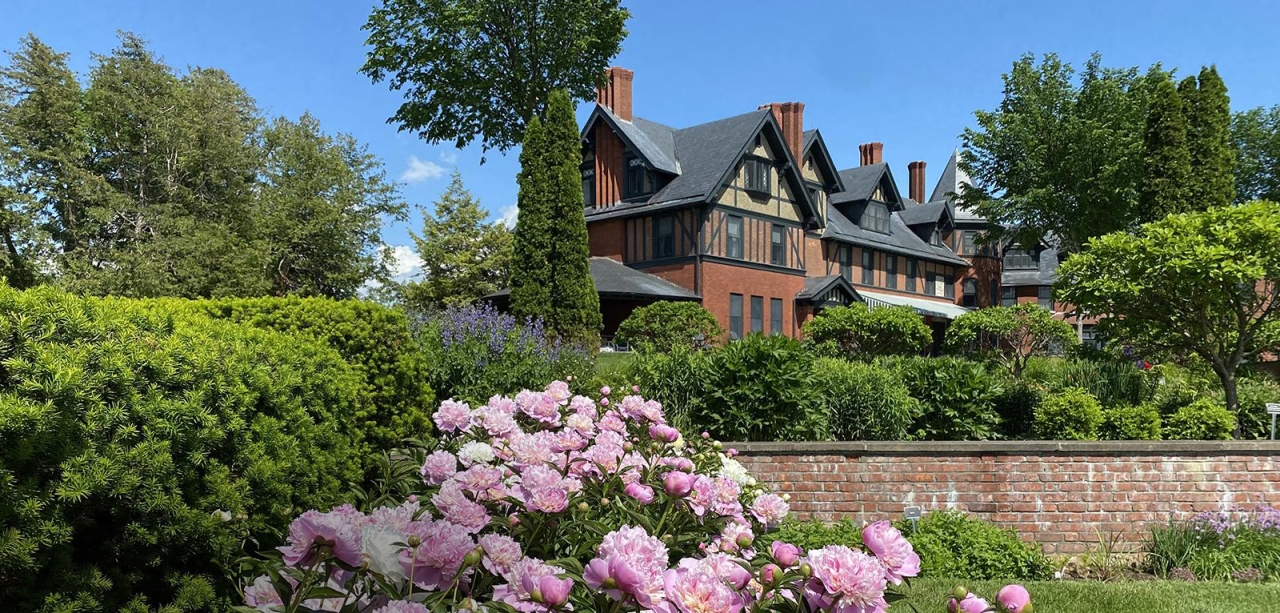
point(870, 153)
point(915, 174)
point(616, 94)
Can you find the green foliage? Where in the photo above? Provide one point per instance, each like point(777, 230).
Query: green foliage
point(1255, 392)
point(1218, 546)
point(957, 398)
point(1069, 415)
point(815, 534)
point(1177, 387)
point(864, 402)
point(1131, 423)
point(463, 257)
point(1194, 283)
point(396, 397)
point(1013, 334)
point(1202, 420)
point(1255, 137)
point(1112, 381)
point(484, 69)
point(1166, 184)
point(760, 388)
point(857, 331)
point(668, 325)
point(551, 274)
point(1209, 140)
point(954, 545)
point(1053, 127)
point(142, 446)
point(677, 379)
point(1016, 406)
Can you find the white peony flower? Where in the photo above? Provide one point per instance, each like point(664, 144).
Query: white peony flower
point(733, 470)
point(475, 453)
point(379, 541)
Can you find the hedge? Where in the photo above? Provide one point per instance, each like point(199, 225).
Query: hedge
point(142, 447)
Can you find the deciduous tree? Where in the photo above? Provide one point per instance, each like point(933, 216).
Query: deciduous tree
point(1012, 334)
point(1255, 136)
point(1204, 283)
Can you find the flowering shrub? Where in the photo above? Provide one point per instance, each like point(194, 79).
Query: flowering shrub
point(476, 350)
point(553, 502)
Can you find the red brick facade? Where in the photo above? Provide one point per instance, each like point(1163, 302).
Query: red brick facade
point(1060, 495)
point(721, 280)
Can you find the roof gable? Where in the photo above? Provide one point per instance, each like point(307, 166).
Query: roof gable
point(815, 146)
point(653, 142)
point(860, 183)
point(790, 170)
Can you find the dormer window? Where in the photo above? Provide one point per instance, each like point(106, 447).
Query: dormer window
point(876, 218)
point(755, 173)
point(1019, 259)
point(639, 180)
point(936, 238)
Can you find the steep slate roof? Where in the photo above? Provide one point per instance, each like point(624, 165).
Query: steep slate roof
point(927, 213)
point(614, 279)
point(860, 182)
point(654, 141)
point(949, 183)
point(826, 165)
point(1046, 274)
point(817, 286)
point(900, 238)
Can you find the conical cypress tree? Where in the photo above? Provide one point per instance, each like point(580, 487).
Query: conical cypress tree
point(575, 306)
point(1209, 141)
point(531, 267)
point(1167, 161)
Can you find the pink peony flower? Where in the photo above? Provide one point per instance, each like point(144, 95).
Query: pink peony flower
point(770, 509)
point(500, 553)
point(402, 606)
point(845, 581)
point(548, 499)
point(559, 392)
point(496, 422)
point(262, 595)
point(613, 576)
point(700, 496)
point(438, 557)
point(642, 493)
point(583, 406)
point(699, 591)
point(664, 433)
point(677, 484)
point(724, 500)
point(612, 422)
point(542, 407)
point(785, 554)
point(721, 565)
point(440, 465)
point(453, 416)
point(735, 536)
point(533, 586)
point(315, 533)
point(605, 391)
point(1013, 598)
point(895, 553)
point(455, 507)
point(970, 604)
point(632, 549)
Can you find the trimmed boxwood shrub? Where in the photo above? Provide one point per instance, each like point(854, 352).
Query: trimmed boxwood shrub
point(667, 325)
point(143, 445)
point(397, 400)
point(1131, 423)
point(761, 388)
point(1070, 415)
point(1202, 420)
point(957, 398)
point(954, 545)
point(864, 402)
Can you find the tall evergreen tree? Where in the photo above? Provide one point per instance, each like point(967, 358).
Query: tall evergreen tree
point(1255, 137)
point(531, 250)
point(575, 305)
point(463, 257)
point(1209, 141)
point(1167, 160)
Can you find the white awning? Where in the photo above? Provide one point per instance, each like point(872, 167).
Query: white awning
point(944, 310)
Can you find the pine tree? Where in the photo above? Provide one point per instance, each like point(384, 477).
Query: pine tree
point(1167, 161)
point(1209, 141)
point(463, 257)
point(531, 248)
point(575, 305)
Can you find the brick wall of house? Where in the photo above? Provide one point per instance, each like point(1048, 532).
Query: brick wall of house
point(1057, 494)
point(721, 280)
point(605, 238)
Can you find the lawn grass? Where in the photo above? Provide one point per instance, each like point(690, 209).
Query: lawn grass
point(614, 361)
point(930, 595)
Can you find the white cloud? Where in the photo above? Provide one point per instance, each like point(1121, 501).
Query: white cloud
point(407, 264)
point(508, 215)
point(449, 157)
point(419, 171)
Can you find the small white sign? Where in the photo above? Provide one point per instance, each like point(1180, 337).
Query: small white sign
point(1273, 408)
point(917, 512)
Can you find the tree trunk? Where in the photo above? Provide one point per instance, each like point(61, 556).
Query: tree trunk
point(1233, 399)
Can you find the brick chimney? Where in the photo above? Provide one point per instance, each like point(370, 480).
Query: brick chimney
point(915, 174)
point(790, 117)
point(617, 94)
point(870, 153)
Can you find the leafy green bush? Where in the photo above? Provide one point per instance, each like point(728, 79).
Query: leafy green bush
point(1202, 420)
point(375, 340)
point(1070, 415)
point(666, 325)
point(1113, 382)
point(1177, 387)
point(475, 352)
point(1131, 423)
point(815, 534)
point(761, 388)
point(142, 445)
point(864, 402)
point(1254, 393)
point(677, 379)
point(957, 397)
point(954, 545)
point(1016, 406)
point(857, 331)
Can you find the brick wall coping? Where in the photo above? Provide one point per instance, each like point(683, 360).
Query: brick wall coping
point(918, 448)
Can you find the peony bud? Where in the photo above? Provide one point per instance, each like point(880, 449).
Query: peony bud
point(605, 391)
point(473, 557)
point(1013, 599)
point(960, 592)
point(604, 402)
point(769, 574)
point(642, 493)
point(785, 554)
point(635, 389)
point(806, 570)
point(677, 483)
point(706, 435)
point(604, 502)
point(414, 540)
point(731, 452)
point(584, 507)
point(744, 540)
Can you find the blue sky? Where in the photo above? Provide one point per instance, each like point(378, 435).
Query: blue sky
point(906, 73)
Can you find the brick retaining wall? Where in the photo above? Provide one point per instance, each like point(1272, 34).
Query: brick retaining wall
point(1059, 494)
